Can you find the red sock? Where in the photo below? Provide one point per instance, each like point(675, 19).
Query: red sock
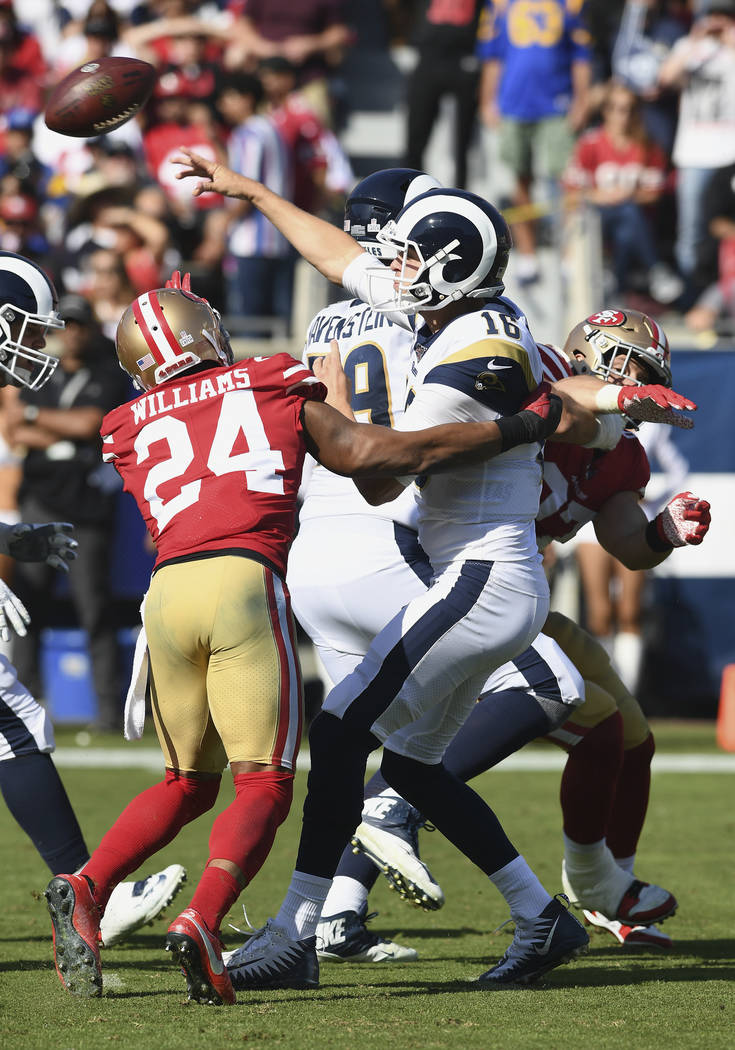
point(631, 799)
point(152, 820)
point(243, 834)
point(589, 781)
point(215, 894)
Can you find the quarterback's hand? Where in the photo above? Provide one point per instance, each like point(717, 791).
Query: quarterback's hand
point(12, 610)
point(214, 177)
point(656, 404)
point(684, 520)
point(52, 543)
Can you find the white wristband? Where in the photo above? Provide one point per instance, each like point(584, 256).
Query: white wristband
point(606, 398)
point(609, 431)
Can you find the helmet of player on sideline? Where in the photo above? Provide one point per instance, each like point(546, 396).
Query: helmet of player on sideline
point(377, 199)
point(603, 337)
point(167, 331)
point(460, 244)
point(28, 308)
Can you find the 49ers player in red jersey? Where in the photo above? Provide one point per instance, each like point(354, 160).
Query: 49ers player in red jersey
point(212, 451)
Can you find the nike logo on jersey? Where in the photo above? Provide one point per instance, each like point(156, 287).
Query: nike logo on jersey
point(544, 949)
point(495, 367)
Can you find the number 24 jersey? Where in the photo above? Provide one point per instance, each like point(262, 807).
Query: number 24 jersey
point(214, 458)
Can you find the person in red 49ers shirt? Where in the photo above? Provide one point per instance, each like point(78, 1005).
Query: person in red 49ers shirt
point(212, 451)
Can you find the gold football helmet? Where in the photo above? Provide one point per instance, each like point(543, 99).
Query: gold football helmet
point(601, 338)
point(167, 331)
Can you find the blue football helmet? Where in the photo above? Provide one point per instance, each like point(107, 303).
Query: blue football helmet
point(461, 243)
point(28, 304)
point(379, 198)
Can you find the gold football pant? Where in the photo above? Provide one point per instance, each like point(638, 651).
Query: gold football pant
point(224, 670)
point(604, 691)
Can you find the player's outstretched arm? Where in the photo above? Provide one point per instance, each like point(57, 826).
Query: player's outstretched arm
point(52, 543)
point(624, 531)
point(326, 247)
point(364, 450)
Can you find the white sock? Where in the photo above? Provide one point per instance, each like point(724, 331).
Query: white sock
point(302, 905)
point(627, 656)
point(522, 890)
point(626, 863)
point(583, 856)
point(346, 894)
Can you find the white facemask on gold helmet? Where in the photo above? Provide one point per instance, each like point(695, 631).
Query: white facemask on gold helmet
point(601, 338)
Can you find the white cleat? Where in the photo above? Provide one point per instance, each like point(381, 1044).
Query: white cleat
point(388, 835)
point(618, 894)
point(135, 904)
point(344, 937)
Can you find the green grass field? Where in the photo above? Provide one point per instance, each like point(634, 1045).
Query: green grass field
point(610, 998)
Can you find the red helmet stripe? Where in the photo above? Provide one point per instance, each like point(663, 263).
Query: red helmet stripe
point(147, 334)
point(165, 327)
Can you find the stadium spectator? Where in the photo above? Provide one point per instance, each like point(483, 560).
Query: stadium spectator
point(96, 38)
point(259, 264)
point(19, 89)
point(300, 128)
point(648, 31)
point(715, 309)
point(618, 170)
point(63, 479)
point(534, 88)
point(311, 34)
point(702, 65)
point(445, 36)
point(18, 162)
point(20, 229)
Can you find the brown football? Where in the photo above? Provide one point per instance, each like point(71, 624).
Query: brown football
point(99, 96)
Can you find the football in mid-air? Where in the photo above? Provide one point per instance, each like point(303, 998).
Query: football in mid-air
point(99, 96)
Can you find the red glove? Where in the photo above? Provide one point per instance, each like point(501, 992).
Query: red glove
point(660, 395)
point(684, 520)
point(537, 418)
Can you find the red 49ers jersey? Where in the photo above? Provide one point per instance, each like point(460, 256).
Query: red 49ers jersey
point(214, 458)
point(577, 481)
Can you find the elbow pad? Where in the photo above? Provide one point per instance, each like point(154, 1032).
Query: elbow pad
point(609, 431)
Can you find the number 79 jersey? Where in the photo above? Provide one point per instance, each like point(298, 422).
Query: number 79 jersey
point(214, 458)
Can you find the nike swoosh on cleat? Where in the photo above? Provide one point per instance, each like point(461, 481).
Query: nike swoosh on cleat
point(217, 966)
point(544, 949)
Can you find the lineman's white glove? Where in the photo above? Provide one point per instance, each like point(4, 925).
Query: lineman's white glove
point(14, 611)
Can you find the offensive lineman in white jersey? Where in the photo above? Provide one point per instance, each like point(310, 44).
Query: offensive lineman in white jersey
point(488, 599)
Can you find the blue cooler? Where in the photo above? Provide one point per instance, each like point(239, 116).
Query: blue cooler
point(67, 675)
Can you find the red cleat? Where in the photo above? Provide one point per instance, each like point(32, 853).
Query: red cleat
point(199, 953)
point(631, 936)
point(75, 918)
point(643, 904)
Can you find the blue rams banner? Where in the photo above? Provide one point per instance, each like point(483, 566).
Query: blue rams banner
point(689, 624)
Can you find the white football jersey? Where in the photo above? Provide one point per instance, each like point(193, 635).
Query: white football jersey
point(375, 355)
point(480, 367)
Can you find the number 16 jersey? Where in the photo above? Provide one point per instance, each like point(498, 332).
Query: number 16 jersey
point(214, 458)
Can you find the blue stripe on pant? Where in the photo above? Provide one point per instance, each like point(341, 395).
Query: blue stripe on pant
point(398, 664)
point(538, 674)
point(20, 740)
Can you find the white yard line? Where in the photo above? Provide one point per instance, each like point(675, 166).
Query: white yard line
point(134, 757)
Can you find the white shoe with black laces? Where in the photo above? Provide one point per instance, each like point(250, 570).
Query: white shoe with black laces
point(344, 937)
point(554, 937)
point(388, 835)
point(135, 904)
point(272, 959)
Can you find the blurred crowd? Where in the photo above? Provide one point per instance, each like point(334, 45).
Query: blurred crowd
point(628, 107)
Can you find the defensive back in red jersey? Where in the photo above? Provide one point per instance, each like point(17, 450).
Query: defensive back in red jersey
point(214, 458)
point(577, 481)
